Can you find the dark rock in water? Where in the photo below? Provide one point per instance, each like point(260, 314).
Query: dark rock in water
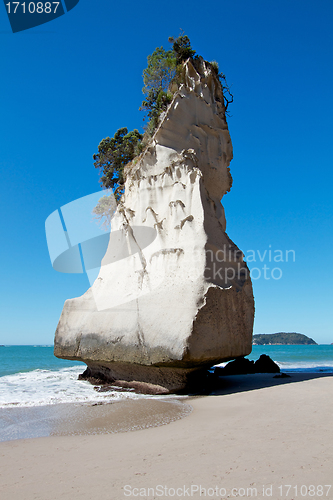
point(243, 366)
point(94, 380)
point(266, 365)
point(282, 375)
point(240, 366)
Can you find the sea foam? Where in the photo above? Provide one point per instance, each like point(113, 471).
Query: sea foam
point(45, 387)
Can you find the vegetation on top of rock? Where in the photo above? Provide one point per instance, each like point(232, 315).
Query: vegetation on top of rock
point(182, 48)
point(164, 68)
point(113, 154)
point(157, 76)
point(282, 338)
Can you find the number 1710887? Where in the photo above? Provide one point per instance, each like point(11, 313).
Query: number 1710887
point(304, 490)
point(32, 7)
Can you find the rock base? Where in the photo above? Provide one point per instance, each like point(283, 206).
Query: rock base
point(157, 380)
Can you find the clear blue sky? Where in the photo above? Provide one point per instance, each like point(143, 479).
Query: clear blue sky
point(69, 83)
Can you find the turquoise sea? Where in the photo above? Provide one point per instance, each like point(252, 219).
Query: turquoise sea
point(33, 376)
point(298, 358)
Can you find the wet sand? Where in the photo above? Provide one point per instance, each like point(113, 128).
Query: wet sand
point(85, 419)
point(251, 437)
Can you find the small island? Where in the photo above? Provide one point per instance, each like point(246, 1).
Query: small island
point(282, 338)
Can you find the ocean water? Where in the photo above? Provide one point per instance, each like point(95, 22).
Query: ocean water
point(32, 376)
point(298, 358)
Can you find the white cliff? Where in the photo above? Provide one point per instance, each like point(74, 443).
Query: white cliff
point(173, 293)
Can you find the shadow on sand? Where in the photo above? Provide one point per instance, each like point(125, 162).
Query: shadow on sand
point(231, 384)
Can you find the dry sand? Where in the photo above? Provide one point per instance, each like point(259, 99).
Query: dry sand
point(253, 437)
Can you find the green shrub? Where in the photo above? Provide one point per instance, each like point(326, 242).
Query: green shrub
point(113, 155)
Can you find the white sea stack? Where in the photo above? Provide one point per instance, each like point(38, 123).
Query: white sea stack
point(184, 301)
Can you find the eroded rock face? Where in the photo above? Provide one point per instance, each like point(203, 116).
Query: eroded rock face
point(185, 300)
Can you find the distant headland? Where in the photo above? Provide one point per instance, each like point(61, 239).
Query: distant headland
point(282, 338)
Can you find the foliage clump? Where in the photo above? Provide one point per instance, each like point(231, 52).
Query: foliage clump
point(113, 155)
point(163, 67)
point(182, 48)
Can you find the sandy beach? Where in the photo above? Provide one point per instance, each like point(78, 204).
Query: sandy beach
point(255, 437)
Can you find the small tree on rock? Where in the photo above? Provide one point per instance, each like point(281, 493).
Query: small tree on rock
point(182, 48)
point(157, 76)
point(113, 154)
point(163, 67)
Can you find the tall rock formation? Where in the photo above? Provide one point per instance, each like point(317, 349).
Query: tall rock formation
point(182, 299)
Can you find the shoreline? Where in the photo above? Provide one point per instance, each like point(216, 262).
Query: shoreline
point(241, 436)
point(126, 415)
point(81, 419)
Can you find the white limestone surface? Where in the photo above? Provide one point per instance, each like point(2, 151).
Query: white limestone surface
point(173, 293)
